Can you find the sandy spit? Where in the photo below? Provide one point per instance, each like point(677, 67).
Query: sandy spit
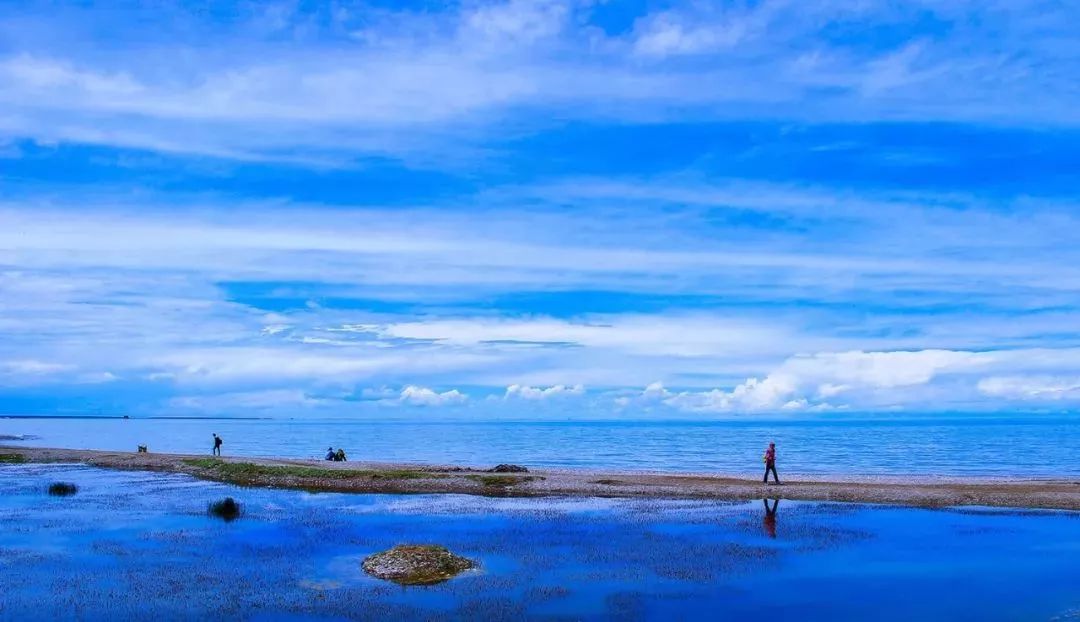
point(370, 477)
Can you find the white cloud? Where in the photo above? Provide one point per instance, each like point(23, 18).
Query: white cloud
point(96, 378)
point(147, 295)
point(1033, 388)
point(272, 399)
point(682, 335)
point(379, 393)
point(31, 367)
point(407, 80)
point(879, 369)
point(542, 393)
point(907, 296)
point(671, 33)
point(515, 22)
point(803, 382)
point(31, 372)
point(276, 364)
point(423, 396)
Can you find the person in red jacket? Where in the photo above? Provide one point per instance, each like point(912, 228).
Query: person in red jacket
point(770, 464)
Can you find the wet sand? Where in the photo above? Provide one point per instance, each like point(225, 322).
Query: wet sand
point(369, 477)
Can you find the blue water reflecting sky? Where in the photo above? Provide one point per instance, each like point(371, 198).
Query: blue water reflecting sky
point(136, 545)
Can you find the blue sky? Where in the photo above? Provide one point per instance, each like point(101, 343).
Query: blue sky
point(539, 209)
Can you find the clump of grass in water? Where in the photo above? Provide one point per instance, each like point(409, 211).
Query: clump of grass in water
point(62, 489)
point(227, 509)
point(501, 481)
point(412, 564)
point(12, 459)
point(247, 471)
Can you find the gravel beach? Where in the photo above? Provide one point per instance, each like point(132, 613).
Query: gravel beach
point(370, 477)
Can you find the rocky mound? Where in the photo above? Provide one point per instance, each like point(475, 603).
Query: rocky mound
point(508, 468)
point(410, 564)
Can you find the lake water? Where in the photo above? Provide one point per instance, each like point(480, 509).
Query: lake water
point(1029, 445)
point(140, 546)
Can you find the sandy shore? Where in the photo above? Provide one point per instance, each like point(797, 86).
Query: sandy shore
point(411, 478)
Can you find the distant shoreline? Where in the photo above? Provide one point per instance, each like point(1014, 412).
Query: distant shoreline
point(130, 418)
point(395, 478)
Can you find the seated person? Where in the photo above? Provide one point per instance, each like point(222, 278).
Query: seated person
point(330, 455)
point(340, 455)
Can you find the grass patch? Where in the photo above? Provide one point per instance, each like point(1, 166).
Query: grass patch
point(12, 459)
point(608, 482)
point(501, 481)
point(245, 471)
point(62, 489)
point(227, 509)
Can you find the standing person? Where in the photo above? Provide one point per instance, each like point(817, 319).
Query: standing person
point(217, 445)
point(770, 464)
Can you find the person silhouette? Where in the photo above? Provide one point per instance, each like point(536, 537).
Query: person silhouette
point(217, 445)
point(769, 522)
point(770, 464)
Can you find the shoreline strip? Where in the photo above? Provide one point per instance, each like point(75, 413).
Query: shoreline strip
point(396, 478)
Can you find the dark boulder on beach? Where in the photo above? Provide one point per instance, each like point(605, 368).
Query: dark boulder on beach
point(508, 468)
point(411, 564)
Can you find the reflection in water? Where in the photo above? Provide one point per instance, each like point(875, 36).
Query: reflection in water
point(138, 546)
point(769, 522)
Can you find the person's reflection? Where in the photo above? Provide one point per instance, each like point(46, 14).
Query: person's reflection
point(769, 522)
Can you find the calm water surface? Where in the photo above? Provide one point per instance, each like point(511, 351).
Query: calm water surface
point(1028, 445)
point(140, 546)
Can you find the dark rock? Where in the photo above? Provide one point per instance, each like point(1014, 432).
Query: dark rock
point(508, 468)
point(227, 509)
point(62, 489)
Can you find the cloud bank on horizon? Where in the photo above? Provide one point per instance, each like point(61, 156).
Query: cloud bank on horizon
point(539, 209)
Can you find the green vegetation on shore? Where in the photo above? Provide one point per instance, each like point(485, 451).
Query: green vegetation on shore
point(501, 481)
point(248, 471)
point(12, 459)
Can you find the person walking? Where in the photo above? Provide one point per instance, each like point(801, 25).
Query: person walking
point(217, 445)
point(770, 464)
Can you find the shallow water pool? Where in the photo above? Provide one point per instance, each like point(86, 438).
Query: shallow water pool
point(133, 545)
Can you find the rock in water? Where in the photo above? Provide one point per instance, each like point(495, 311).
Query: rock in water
point(410, 564)
point(62, 489)
point(227, 509)
point(508, 468)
